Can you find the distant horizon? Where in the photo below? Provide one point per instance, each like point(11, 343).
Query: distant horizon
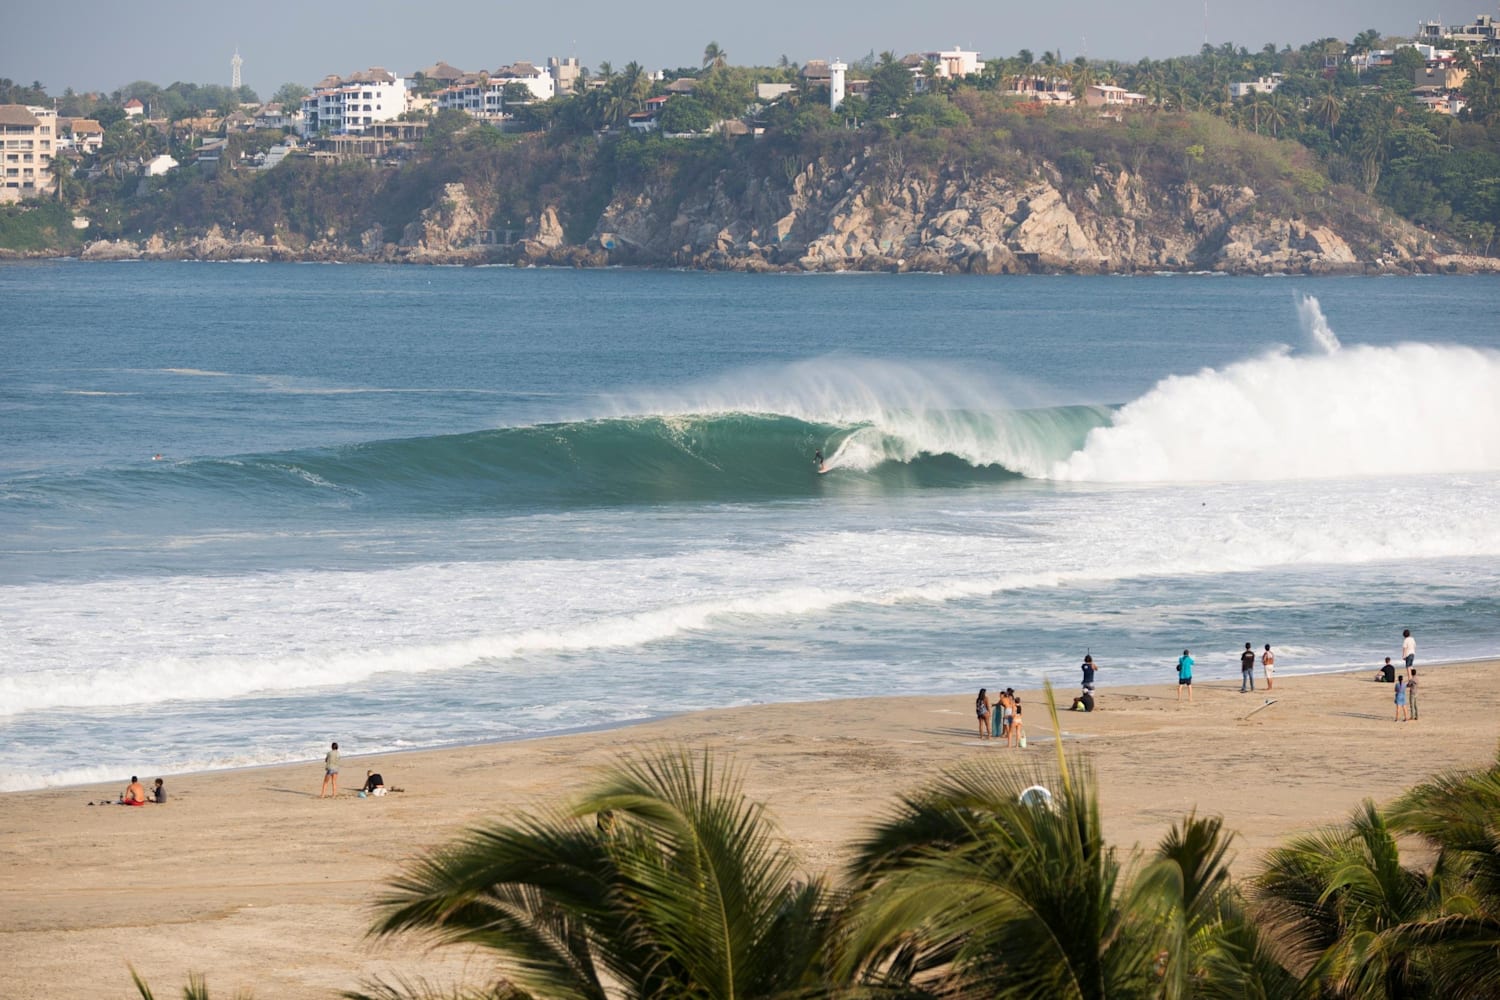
point(179, 42)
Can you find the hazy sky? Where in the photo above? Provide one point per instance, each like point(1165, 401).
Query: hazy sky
point(104, 45)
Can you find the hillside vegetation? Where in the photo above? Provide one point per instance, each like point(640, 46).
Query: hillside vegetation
point(1340, 168)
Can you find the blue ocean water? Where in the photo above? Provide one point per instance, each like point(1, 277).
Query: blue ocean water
point(246, 509)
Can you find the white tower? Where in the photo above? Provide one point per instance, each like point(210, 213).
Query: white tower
point(234, 69)
point(836, 84)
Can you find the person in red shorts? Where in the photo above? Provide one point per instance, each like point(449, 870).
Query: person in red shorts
point(135, 793)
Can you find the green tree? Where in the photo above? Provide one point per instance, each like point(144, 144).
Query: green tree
point(1338, 898)
point(982, 886)
point(684, 114)
point(890, 86)
point(1456, 814)
point(714, 57)
point(664, 881)
point(289, 95)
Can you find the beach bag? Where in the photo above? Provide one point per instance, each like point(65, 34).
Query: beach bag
point(1023, 741)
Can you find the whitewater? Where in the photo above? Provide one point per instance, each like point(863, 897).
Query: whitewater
point(497, 536)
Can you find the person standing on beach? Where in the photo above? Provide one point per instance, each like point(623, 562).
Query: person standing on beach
point(1247, 669)
point(1400, 697)
point(1185, 675)
point(981, 709)
point(1408, 648)
point(1268, 664)
point(331, 771)
point(1411, 692)
point(1088, 671)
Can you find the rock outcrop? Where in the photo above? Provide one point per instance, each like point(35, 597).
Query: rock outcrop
point(864, 215)
point(874, 212)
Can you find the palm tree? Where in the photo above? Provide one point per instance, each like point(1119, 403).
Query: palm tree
point(1327, 108)
point(1341, 900)
point(663, 882)
point(1456, 814)
point(1276, 113)
point(980, 887)
point(714, 57)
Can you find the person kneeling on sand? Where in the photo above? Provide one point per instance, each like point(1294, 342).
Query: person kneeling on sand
point(1084, 702)
point(134, 794)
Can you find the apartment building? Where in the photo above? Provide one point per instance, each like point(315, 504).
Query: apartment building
point(28, 138)
point(483, 96)
point(349, 105)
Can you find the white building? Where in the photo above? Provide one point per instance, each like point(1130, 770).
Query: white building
point(346, 105)
point(483, 97)
point(836, 71)
point(1262, 85)
point(158, 165)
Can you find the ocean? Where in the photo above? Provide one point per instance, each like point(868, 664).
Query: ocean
point(248, 509)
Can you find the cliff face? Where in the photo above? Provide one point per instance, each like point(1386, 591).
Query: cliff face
point(875, 212)
point(863, 216)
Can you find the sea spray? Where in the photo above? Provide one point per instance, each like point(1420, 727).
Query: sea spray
point(1315, 325)
point(1359, 411)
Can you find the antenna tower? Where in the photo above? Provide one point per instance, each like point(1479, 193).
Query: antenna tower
point(234, 69)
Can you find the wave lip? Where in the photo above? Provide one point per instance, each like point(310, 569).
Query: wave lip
point(1353, 413)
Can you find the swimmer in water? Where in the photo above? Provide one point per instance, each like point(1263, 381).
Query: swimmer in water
point(156, 457)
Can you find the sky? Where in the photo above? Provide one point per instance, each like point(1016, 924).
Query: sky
point(297, 41)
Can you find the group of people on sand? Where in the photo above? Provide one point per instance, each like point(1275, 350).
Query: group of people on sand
point(374, 782)
point(136, 794)
point(1406, 683)
point(995, 714)
point(1000, 717)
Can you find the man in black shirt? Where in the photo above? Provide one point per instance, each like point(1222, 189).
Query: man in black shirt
point(1247, 669)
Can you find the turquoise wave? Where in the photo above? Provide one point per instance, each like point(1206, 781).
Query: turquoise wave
point(653, 459)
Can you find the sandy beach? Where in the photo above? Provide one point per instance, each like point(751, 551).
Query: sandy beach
point(248, 877)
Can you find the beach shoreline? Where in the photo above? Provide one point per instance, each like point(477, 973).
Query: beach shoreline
point(625, 724)
point(246, 876)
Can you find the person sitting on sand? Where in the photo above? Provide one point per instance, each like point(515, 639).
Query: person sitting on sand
point(374, 781)
point(1084, 702)
point(134, 794)
point(982, 710)
point(1387, 673)
point(159, 792)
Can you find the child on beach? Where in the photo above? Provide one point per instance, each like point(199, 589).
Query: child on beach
point(159, 792)
point(1400, 697)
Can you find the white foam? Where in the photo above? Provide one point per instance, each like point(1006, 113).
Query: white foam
point(1315, 325)
point(1360, 411)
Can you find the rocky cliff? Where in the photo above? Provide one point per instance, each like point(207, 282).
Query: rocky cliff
point(873, 212)
point(859, 215)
